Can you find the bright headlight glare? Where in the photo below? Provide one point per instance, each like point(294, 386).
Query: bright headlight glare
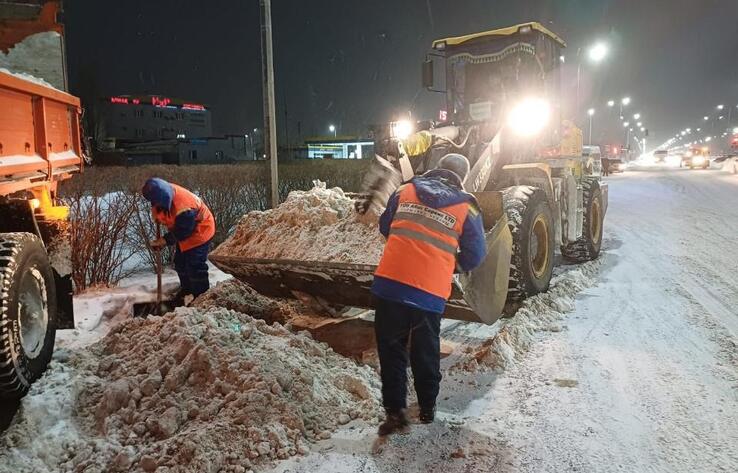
point(402, 129)
point(529, 117)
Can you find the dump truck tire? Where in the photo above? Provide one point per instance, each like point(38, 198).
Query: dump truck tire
point(531, 224)
point(587, 248)
point(27, 312)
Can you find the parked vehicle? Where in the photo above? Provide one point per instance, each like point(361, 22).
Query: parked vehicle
point(40, 145)
point(660, 155)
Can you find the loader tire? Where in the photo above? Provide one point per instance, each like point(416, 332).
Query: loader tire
point(587, 248)
point(531, 224)
point(27, 312)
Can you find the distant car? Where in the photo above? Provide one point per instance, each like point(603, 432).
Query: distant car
point(696, 158)
point(660, 155)
point(616, 164)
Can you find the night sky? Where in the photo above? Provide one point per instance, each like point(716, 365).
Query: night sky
point(357, 62)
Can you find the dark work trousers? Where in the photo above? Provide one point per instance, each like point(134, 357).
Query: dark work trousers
point(399, 327)
point(192, 269)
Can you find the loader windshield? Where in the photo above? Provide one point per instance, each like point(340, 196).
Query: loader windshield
point(480, 89)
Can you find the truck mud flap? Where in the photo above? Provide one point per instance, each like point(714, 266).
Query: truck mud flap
point(485, 288)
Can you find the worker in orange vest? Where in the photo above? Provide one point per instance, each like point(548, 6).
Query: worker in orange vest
point(433, 228)
point(190, 226)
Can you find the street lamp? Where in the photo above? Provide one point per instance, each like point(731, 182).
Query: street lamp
point(626, 101)
point(332, 129)
point(637, 116)
point(626, 124)
point(706, 118)
point(720, 107)
point(610, 103)
point(591, 113)
point(639, 123)
point(598, 52)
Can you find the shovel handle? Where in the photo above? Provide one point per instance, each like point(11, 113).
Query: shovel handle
point(158, 268)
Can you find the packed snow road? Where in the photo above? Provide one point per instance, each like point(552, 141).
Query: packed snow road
point(641, 376)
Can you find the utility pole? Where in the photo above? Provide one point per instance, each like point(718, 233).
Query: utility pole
point(270, 126)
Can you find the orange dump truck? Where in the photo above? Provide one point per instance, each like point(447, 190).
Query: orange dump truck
point(40, 145)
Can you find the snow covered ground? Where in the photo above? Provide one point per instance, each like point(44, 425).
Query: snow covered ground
point(641, 376)
point(628, 364)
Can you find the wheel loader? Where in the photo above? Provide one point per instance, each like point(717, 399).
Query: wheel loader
point(536, 190)
point(40, 146)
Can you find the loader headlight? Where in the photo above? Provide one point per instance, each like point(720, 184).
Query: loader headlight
point(529, 117)
point(402, 129)
point(699, 159)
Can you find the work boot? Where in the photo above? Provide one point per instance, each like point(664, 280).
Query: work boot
point(179, 298)
point(396, 421)
point(427, 414)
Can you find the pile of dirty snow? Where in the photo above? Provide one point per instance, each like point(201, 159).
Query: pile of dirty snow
point(234, 295)
point(316, 225)
point(198, 390)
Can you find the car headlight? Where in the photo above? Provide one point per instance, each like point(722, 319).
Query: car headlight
point(401, 129)
point(529, 117)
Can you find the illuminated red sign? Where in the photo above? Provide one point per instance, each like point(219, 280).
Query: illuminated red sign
point(157, 102)
point(160, 102)
point(443, 115)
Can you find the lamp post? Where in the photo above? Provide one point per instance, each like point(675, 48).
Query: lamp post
point(332, 129)
point(591, 113)
point(624, 103)
point(596, 54)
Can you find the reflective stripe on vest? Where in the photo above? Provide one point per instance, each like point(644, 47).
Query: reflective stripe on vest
point(183, 201)
point(422, 244)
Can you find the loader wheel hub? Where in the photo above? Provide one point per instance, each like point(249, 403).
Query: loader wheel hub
point(539, 251)
point(595, 222)
point(33, 312)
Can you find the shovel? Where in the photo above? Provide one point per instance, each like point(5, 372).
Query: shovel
point(160, 307)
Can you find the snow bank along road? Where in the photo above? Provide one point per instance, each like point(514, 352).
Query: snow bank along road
point(642, 376)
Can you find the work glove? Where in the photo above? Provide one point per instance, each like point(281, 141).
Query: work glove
point(158, 244)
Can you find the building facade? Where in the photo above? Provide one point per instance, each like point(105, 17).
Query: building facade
point(136, 119)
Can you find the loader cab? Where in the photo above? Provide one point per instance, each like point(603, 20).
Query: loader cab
point(489, 74)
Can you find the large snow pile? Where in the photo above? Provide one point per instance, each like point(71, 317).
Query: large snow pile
point(315, 225)
point(199, 390)
point(232, 294)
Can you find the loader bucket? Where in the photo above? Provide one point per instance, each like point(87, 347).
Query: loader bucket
point(477, 297)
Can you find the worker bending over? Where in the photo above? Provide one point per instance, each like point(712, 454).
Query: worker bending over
point(432, 227)
point(190, 226)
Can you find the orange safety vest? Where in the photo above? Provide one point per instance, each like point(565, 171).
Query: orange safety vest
point(422, 244)
point(183, 201)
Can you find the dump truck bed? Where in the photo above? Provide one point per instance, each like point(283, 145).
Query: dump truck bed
point(40, 136)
